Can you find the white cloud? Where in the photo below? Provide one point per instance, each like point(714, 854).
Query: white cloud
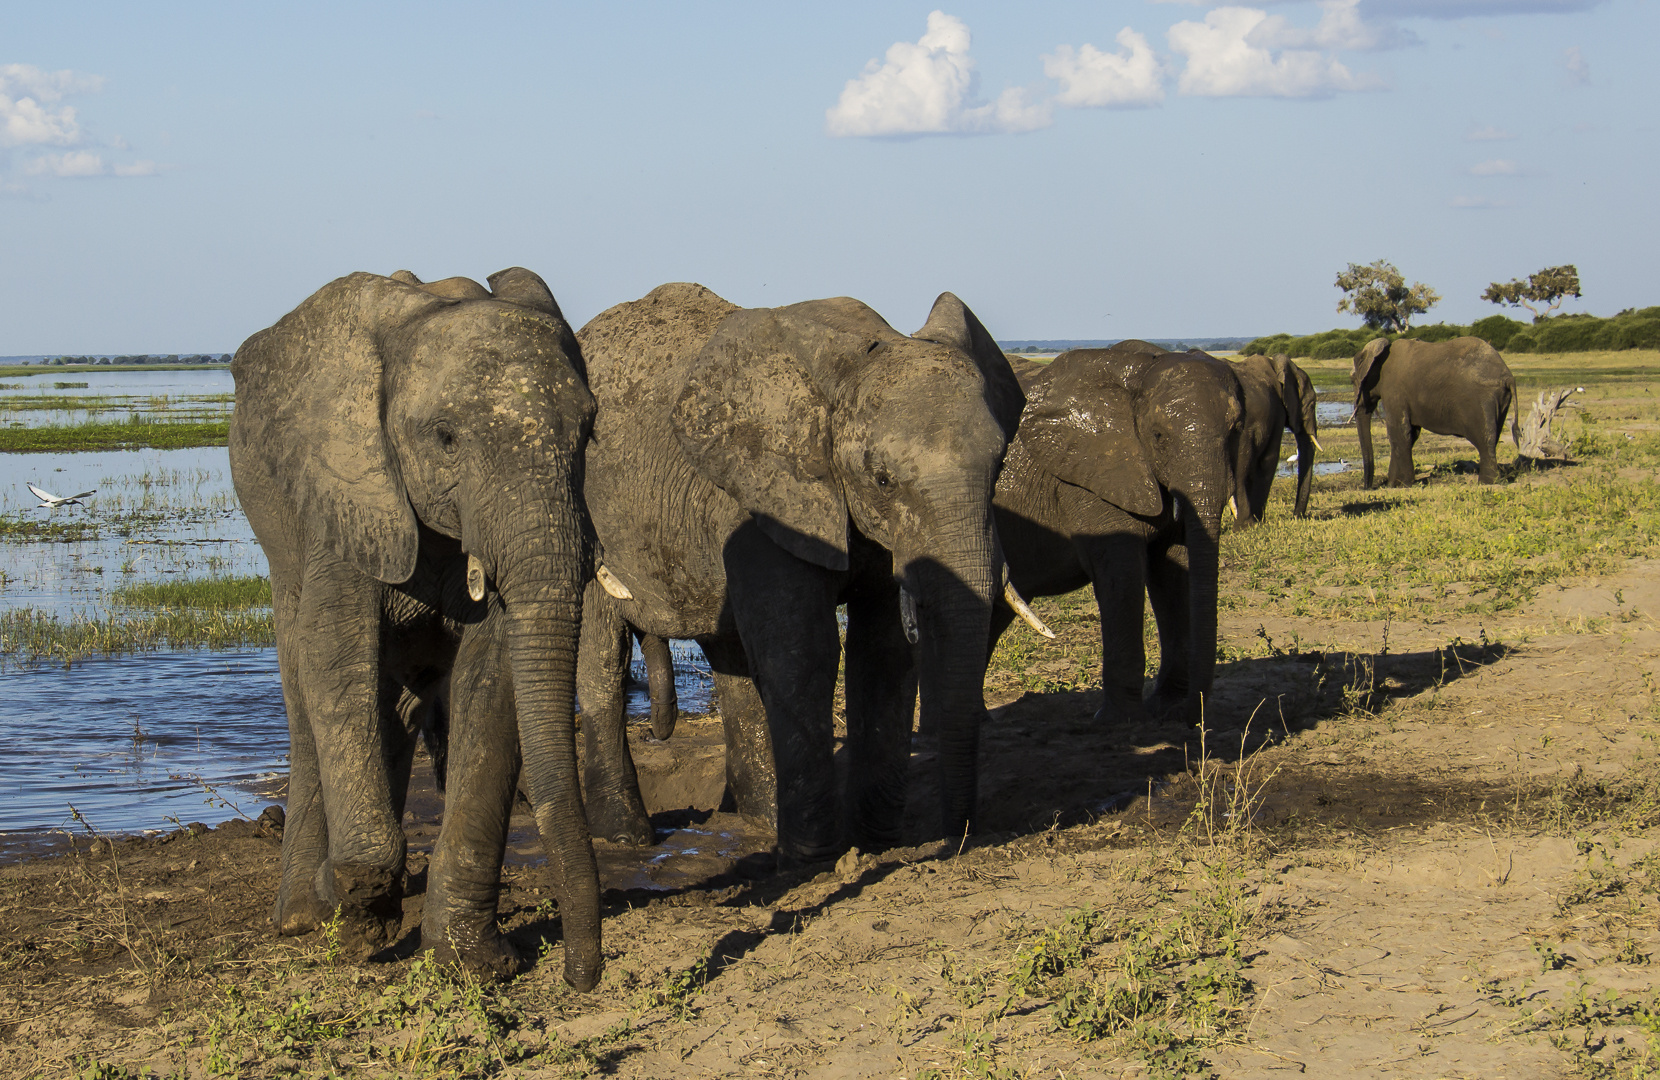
point(74, 163)
point(29, 81)
point(1495, 167)
point(1131, 76)
point(1341, 28)
point(26, 122)
point(1579, 72)
point(1225, 58)
point(929, 87)
point(1460, 9)
point(1487, 133)
point(137, 168)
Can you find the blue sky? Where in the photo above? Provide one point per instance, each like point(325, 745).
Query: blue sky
point(175, 177)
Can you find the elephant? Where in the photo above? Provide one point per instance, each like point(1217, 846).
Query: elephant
point(1278, 395)
point(1118, 477)
point(410, 459)
point(752, 469)
point(1459, 387)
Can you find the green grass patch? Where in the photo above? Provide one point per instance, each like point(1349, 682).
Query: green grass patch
point(136, 432)
point(29, 637)
point(225, 592)
point(29, 527)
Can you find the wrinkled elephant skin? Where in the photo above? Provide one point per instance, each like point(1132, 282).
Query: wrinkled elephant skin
point(1118, 478)
point(409, 457)
point(750, 470)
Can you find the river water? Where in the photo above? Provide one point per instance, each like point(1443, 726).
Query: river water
point(136, 743)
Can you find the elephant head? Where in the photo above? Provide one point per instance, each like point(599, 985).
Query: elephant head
point(820, 419)
point(381, 411)
point(1150, 432)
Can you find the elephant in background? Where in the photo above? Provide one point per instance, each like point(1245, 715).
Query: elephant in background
point(1278, 395)
point(1123, 463)
point(751, 469)
point(410, 458)
point(1459, 387)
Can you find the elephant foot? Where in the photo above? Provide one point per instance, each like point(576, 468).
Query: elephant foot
point(481, 952)
point(621, 824)
point(1121, 713)
point(296, 915)
point(371, 907)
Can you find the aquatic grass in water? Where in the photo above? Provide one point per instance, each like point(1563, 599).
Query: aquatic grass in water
point(24, 527)
point(29, 637)
point(137, 432)
point(229, 592)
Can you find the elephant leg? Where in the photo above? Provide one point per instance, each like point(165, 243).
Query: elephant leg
point(751, 779)
point(612, 787)
point(1487, 446)
point(1401, 437)
point(305, 835)
point(458, 920)
point(339, 664)
point(1167, 594)
point(1117, 571)
point(665, 702)
point(881, 691)
point(785, 609)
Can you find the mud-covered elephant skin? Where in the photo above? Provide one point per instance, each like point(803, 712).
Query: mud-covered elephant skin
point(1460, 387)
point(1117, 478)
point(750, 470)
point(410, 459)
point(1278, 396)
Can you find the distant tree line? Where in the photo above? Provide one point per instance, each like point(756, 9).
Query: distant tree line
point(143, 358)
point(1379, 294)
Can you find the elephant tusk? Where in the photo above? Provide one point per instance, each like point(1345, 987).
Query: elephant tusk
point(1316, 443)
point(1233, 506)
point(608, 581)
point(475, 578)
point(1025, 612)
point(907, 615)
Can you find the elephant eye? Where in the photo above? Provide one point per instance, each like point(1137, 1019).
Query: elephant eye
point(445, 436)
point(883, 480)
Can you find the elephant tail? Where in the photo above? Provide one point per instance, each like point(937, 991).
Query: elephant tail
point(1515, 414)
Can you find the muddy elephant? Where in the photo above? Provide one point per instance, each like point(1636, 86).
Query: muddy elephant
point(751, 470)
point(1460, 387)
point(410, 459)
point(1278, 396)
point(1123, 464)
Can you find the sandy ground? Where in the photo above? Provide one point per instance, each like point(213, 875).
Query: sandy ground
point(1447, 873)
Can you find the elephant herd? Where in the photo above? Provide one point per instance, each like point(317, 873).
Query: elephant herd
point(470, 511)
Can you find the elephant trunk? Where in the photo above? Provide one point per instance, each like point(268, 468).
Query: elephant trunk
point(544, 615)
point(954, 587)
point(1305, 472)
point(1202, 540)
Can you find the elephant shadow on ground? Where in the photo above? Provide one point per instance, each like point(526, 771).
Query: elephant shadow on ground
point(1379, 506)
point(1046, 760)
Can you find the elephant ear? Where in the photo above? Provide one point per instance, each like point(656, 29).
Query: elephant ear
point(1291, 394)
point(1305, 410)
point(1367, 362)
point(950, 322)
point(309, 399)
point(1080, 426)
point(755, 426)
point(526, 288)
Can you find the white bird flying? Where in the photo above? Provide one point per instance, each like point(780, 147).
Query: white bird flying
point(51, 501)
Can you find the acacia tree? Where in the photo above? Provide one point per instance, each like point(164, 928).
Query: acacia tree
point(1381, 297)
point(1549, 286)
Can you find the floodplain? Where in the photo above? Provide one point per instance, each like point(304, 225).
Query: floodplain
point(1418, 837)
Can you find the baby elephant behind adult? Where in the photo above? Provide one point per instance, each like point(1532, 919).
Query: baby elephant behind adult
point(1278, 395)
point(1460, 387)
point(409, 457)
point(1118, 476)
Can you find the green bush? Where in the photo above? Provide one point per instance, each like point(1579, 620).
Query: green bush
point(1436, 332)
point(1634, 328)
point(1497, 330)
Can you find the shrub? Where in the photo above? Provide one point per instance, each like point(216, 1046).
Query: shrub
point(1436, 332)
point(1497, 330)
